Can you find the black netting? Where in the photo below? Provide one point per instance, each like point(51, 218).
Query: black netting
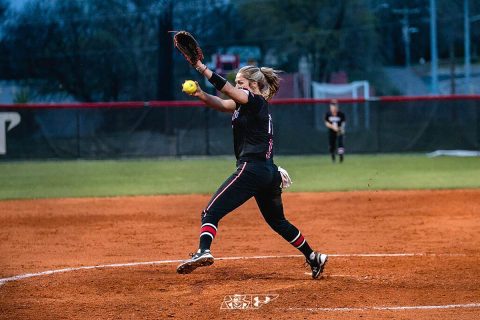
point(372, 127)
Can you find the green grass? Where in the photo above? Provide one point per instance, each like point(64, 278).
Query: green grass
point(385, 172)
point(203, 175)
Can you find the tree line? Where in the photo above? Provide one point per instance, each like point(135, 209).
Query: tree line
point(114, 50)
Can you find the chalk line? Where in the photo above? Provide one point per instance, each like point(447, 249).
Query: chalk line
point(159, 262)
point(340, 276)
point(390, 308)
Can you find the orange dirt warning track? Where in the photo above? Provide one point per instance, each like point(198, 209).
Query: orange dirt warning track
point(428, 265)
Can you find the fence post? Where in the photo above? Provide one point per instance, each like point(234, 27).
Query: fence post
point(78, 133)
point(379, 115)
point(477, 131)
point(207, 131)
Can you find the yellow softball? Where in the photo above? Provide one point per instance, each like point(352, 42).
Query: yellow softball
point(189, 87)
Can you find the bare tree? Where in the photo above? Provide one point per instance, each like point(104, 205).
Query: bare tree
point(93, 50)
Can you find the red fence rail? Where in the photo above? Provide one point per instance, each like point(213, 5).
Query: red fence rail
point(194, 103)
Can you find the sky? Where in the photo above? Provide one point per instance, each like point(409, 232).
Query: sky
point(17, 3)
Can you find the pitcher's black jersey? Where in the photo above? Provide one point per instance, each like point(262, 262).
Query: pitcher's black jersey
point(253, 129)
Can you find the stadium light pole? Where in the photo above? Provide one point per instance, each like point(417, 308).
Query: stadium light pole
point(466, 7)
point(433, 46)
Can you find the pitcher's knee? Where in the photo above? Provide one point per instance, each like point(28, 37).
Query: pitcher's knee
point(280, 226)
point(209, 217)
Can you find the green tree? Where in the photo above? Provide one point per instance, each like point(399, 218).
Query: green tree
point(3, 8)
point(332, 34)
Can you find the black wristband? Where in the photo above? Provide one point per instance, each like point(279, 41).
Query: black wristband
point(218, 81)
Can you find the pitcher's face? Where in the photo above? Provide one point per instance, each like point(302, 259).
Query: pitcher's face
point(242, 83)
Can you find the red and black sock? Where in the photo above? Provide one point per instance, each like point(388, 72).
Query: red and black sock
point(301, 244)
point(207, 234)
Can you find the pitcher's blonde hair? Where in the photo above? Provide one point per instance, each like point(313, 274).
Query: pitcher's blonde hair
point(268, 79)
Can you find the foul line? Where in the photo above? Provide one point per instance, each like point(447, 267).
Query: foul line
point(392, 308)
point(133, 264)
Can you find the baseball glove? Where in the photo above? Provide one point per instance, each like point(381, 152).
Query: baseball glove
point(188, 46)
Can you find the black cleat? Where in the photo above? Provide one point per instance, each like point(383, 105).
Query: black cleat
point(202, 258)
point(317, 264)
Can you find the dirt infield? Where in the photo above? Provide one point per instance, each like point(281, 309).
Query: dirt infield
point(427, 267)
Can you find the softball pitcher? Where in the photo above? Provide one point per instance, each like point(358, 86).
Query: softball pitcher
point(256, 174)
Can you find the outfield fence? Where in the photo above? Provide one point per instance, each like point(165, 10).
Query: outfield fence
point(177, 128)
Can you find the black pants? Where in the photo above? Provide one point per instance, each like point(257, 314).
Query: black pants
point(333, 138)
point(259, 179)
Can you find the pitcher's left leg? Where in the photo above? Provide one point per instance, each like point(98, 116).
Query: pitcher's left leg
point(271, 207)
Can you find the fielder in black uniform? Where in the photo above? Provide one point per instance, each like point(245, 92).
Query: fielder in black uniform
point(335, 122)
point(256, 175)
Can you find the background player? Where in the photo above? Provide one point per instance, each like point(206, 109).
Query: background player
point(256, 175)
point(335, 122)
